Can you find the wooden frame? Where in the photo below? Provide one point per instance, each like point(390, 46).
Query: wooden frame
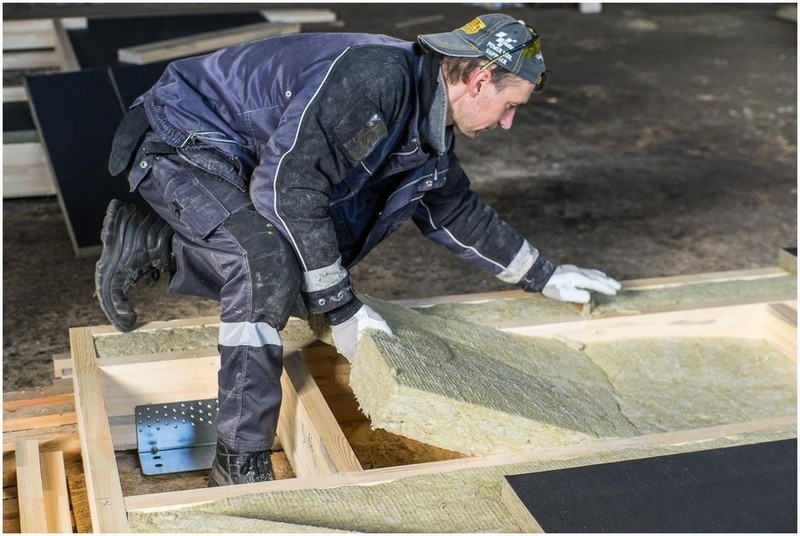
point(106, 390)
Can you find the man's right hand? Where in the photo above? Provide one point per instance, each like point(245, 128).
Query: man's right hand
point(347, 335)
point(572, 284)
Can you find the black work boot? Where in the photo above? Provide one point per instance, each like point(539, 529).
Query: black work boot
point(239, 467)
point(136, 243)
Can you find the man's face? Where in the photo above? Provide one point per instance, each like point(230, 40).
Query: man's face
point(487, 108)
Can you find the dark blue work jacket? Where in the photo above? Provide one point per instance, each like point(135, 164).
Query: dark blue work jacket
point(327, 130)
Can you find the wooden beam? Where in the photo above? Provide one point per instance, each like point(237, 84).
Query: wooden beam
point(25, 171)
point(638, 284)
point(158, 502)
point(14, 94)
point(750, 320)
point(201, 43)
point(33, 59)
point(56, 496)
point(298, 15)
point(63, 46)
point(36, 33)
point(308, 431)
point(28, 34)
point(30, 493)
point(15, 425)
point(13, 405)
point(517, 510)
point(103, 487)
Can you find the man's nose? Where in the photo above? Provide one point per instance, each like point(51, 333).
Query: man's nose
point(507, 119)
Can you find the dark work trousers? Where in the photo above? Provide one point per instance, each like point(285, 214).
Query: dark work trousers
point(226, 251)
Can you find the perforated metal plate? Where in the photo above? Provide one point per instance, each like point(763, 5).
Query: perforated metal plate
point(176, 437)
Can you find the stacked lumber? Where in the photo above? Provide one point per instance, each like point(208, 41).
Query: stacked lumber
point(43, 484)
point(35, 44)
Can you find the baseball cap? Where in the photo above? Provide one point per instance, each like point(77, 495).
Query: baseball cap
point(499, 38)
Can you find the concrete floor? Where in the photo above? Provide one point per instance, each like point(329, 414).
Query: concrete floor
point(665, 144)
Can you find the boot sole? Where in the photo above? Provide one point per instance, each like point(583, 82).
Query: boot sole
point(112, 225)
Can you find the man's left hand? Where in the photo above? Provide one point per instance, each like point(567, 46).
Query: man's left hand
point(572, 284)
point(347, 335)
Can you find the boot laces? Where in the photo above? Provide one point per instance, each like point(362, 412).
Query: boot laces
point(256, 463)
point(150, 272)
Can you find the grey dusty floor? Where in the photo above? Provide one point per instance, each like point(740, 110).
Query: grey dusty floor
point(665, 144)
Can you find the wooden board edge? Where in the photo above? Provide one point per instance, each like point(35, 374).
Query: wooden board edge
point(171, 500)
point(517, 510)
point(106, 503)
point(311, 438)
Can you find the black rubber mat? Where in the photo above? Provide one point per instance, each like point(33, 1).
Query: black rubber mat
point(750, 488)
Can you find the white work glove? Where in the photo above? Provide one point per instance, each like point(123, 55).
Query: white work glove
point(571, 284)
point(347, 335)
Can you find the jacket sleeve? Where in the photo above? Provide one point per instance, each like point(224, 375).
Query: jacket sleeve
point(454, 217)
point(339, 116)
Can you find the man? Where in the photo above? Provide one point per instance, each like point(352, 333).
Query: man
point(280, 163)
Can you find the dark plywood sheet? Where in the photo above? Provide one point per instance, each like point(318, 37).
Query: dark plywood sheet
point(130, 81)
point(750, 488)
point(17, 116)
point(97, 45)
point(77, 114)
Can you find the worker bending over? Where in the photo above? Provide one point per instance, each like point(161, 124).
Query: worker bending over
point(275, 166)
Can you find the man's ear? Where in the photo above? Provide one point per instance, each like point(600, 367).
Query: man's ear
point(478, 79)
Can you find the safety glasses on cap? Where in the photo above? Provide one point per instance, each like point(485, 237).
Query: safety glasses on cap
point(529, 48)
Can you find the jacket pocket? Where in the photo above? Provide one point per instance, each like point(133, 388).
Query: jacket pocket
point(361, 129)
point(138, 171)
point(198, 209)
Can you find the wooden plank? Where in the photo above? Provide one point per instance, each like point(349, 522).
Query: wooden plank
point(28, 34)
point(15, 425)
point(298, 15)
point(103, 488)
point(25, 171)
point(56, 496)
point(201, 43)
point(742, 321)
point(33, 59)
point(30, 493)
point(62, 366)
point(638, 284)
point(67, 443)
point(63, 46)
point(36, 33)
point(13, 405)
point(787, 259)
point(517, 510)
point(308, 431)
point(14, 94)
point(166, 501)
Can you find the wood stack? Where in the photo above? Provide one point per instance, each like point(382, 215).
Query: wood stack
point(43, 486)
point(35, 44)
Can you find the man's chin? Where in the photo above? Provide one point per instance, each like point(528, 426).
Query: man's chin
point(470, 135)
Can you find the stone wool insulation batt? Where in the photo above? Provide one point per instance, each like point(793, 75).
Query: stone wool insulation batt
point(477, 390)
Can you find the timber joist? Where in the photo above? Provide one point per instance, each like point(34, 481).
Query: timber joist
point(110, 378)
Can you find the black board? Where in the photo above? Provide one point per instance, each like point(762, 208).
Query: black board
point(17, 116)
point(130, 81)
point(77, 114)
point(750, 488)
point(97, 44)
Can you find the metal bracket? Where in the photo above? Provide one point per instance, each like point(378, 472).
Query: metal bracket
point(176, 437)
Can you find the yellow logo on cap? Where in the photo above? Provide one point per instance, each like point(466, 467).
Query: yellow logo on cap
point(474, 26)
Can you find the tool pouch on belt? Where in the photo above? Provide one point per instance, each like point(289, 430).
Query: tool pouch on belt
point(129, 133)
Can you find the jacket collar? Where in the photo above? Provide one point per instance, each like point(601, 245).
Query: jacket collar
point(433, 100)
